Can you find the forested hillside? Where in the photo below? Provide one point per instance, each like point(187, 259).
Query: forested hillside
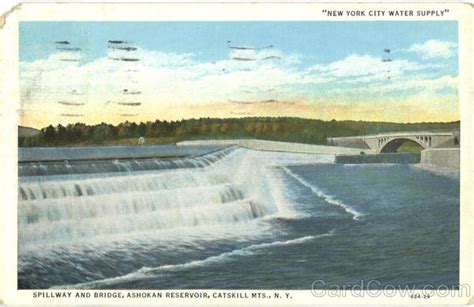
point(279, 129)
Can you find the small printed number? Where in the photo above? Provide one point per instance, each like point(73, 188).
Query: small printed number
point(420, 296)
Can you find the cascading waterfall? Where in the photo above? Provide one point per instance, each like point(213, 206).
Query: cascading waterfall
point(107, 166)
point(88, 213)
point(196, 192)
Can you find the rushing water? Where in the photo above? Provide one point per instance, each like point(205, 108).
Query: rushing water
point(237, 219)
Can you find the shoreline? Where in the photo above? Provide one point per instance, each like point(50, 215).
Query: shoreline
point(449, 172)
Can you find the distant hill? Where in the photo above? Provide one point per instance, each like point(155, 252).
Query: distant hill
point(283, 129)
point(27, 131)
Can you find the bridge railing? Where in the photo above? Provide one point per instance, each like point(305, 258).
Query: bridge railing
point(398, 133)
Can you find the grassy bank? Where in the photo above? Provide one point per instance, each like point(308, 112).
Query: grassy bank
point(149, 141)
point(410, 146)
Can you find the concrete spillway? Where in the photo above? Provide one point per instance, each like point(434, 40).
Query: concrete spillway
point(401, 158)
point(106, 159)
point(107, 162)
point(90, 153)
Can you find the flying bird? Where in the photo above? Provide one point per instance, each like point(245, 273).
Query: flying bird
point(127, 92)
point(117, 42)
point(123, 48)
point(123, 59)
point(129, 59)
point(272, 57)
point(243, 59)
point(250, 48)
point(68, 103)
point(132, 104)
point(241, 48)
point(68, 49)
point(269, 101)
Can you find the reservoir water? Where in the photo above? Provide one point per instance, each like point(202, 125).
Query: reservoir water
point(235, 218)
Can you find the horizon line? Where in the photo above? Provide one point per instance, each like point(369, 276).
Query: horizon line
point(246, 117)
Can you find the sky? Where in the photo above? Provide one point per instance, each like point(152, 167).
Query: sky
point(403, 71)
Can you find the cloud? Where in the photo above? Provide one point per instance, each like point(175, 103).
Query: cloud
point(365, 68)
point(419, 84)
point(432, 49)
point(161, 77)
point(181, 78)
point(168, 80)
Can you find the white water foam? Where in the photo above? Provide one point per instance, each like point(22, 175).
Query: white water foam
point(147, 272)
point(328, 198)
point(86, 208)
point(176, 239)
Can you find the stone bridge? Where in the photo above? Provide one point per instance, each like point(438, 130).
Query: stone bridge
point(390, 142)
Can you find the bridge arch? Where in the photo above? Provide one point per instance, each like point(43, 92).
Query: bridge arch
point(395, 143)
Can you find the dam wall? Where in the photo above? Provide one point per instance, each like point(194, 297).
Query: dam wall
point(178, 150)
point(445, 157)
point(129, 164)
point(93, 153)
point(351, 142)
point(399, 157)
point(278, 146)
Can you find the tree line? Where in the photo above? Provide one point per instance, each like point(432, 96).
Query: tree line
point(311, 131)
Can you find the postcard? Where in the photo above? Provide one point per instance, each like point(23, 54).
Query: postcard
point(236, 153)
